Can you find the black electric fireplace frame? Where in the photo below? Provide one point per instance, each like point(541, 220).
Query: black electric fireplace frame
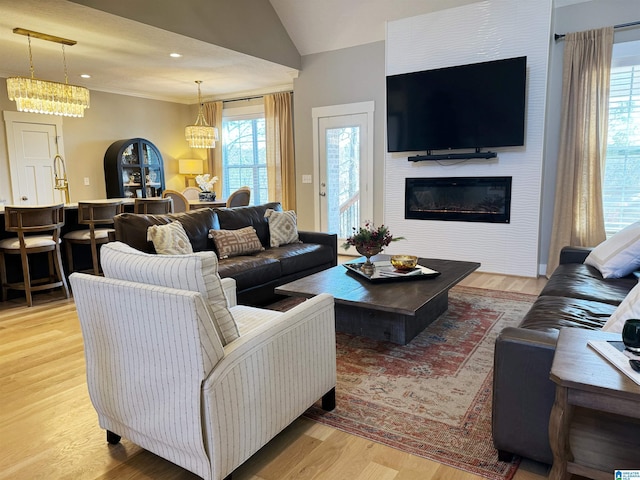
point(463, 199)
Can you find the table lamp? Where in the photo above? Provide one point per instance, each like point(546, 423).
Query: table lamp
point(190, 167)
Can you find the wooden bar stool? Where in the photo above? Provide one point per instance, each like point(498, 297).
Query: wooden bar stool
point(96, 213)
point(153, 205)
point(28, 222)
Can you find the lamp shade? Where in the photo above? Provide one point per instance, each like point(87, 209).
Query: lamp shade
point(190, 166)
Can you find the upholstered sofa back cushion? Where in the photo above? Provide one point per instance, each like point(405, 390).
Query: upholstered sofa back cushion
point(253, 216)
point(131, 228)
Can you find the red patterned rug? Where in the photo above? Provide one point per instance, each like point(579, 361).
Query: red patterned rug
point(432, 397)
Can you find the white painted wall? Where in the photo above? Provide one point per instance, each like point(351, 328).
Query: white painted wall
point(483, 31)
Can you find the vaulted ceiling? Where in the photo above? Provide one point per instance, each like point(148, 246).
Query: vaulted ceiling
point(125, 47)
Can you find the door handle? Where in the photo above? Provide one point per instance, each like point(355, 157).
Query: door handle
point(24, 198)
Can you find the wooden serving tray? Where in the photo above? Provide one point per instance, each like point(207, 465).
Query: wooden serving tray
point(385, 272)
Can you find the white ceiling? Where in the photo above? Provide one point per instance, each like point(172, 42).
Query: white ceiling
point(130, 58)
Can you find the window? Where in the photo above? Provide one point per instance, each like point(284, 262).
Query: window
point(244, 157)
point(621, 187)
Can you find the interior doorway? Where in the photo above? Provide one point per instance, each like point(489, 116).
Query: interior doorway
point(343, 162)
point(33, 140)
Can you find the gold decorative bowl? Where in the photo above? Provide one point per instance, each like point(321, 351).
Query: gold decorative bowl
point(404, 262)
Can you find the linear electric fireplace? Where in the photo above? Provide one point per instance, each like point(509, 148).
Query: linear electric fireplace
point(463, 199)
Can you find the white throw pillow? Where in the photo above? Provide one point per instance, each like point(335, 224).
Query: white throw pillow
point(283, 228)
point(169, 239)
point(197, 272)
point(629, 308)
point(619, 255)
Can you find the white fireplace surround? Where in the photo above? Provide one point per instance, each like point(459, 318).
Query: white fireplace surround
point(483, 31)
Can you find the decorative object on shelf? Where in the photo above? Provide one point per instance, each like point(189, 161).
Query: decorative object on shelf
point(370, 241)
point(404, 263)
point(43, 96)
point(190, 167)
point(206, 183)
point(201, 135)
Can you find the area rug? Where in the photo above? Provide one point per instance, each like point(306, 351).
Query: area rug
point(432, 397)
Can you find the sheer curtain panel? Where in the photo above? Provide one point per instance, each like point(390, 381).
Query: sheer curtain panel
point(578, 217)
point(280, 155)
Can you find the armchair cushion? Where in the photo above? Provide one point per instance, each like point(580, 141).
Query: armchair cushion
point(197, 272)
point(170, 239)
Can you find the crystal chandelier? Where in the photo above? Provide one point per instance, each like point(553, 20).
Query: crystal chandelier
point(43, 96)
point(201, 135)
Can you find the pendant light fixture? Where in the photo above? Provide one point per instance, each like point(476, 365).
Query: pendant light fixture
point(43, 96)
point(201, 135)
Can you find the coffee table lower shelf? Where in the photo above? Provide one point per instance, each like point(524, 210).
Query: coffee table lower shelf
point(389, 326)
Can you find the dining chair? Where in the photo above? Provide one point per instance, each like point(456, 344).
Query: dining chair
point(30, 223)
point(191, 193)
point(180, 202)
point(153, 205)
point(239, 198)
point(92, 214)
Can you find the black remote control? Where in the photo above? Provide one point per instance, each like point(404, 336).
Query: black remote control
point(635, 364)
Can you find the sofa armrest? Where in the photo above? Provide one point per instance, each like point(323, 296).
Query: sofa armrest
point(267, 378)
point(574, 254)
point(523, 394)
point(321, 238)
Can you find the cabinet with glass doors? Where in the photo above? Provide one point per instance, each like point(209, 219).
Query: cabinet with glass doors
point(133, 168)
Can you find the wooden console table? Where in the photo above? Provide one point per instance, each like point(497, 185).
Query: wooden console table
point(594, 426)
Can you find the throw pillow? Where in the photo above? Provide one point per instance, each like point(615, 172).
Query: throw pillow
point(196, 272)
point(629, 308)
point(170, 239)
point(619, 255)
point(231, 243)
point(283, 227)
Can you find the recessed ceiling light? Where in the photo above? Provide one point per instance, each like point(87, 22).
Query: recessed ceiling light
point(175, 55)
point(85, 75)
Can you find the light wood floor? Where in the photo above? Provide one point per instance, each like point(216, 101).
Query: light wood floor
point(49, 430)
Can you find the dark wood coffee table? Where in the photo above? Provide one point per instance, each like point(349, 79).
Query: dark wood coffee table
point(394, 311)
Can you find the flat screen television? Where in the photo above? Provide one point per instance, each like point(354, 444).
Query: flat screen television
point(468, 106)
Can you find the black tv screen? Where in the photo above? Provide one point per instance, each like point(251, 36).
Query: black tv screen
point(468, 106)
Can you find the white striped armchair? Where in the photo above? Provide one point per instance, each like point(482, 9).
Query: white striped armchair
point(160, 375)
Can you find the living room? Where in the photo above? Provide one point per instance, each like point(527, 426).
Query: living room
point(357, 74)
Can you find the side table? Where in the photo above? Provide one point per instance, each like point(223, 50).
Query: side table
point(594, 426)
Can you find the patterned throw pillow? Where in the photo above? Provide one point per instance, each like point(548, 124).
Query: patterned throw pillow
point(282, 227)
point(197, 272)
point(170, 239)
point(231, 243)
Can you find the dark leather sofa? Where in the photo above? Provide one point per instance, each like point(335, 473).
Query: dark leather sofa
point(256, 275)
point(576, 296)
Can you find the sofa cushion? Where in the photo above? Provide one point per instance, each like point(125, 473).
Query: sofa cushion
point(297, 257)
point(619, 255)
point(251, 216)
point(231, 243)
point(553, 313)
point(196, 272)
point(576, 280)
point(283, 228)
point(629, 308)
point(131, 228)
point(250, 271)
point(170, 239)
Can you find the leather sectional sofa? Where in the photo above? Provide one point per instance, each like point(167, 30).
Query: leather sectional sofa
point(257, 274)
point(576, 296)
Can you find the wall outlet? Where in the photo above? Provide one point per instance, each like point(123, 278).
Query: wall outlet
point(86, 181)
point(306, 179)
